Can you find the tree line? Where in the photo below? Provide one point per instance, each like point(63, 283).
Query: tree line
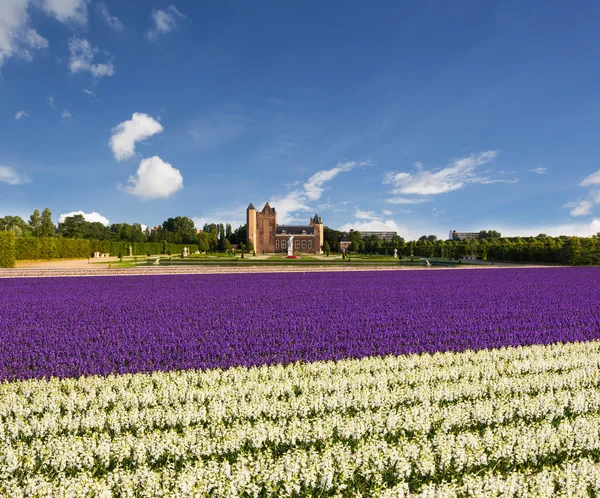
point(216, 237)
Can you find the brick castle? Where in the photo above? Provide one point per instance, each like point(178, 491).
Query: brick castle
point(267, 236)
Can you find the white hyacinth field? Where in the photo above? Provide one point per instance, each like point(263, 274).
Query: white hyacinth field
point(507, 422)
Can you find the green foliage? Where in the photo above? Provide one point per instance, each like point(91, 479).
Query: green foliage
point(15, 224)
point(250, 247)
point(326, 248)
point(46, 228)
point(7, 249)
point(30, 248)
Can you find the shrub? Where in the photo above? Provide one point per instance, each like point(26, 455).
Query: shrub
point(7, 249)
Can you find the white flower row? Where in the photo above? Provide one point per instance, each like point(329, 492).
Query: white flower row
point(357, 426)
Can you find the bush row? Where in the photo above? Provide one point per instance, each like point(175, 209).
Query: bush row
point(30, 248)
point(7, 249)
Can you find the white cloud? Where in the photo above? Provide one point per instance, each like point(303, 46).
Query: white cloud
point(405, 200)
point(92, 217)
point(373, 226)
point(81, 57)
point(67, 10)
point(235, 216)
point(539, 171)
point(17, 38)
point(453, 177)
point(313, 188)
point(155, 179)
point(289, 205)
point(126, 134)
point(574, 229)
point(297, 200)
point(10, 176)
point(65, 114)
point(370, 221)
point(22, 114)
point(89, 92)
point(113, 21)
point(580, 208)
point(593, 179)
point(164, 21)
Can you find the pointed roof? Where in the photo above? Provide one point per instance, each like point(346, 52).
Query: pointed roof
point(268, 208)
point(317, 219)
point(251, 206)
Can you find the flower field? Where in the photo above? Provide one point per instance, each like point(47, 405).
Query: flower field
point(68, 327)
point(506, 422)
point(223, 385)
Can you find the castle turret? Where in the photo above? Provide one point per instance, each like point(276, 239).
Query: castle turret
point(317, 222)
point(251, 226)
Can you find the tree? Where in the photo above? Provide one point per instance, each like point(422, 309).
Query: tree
point(35, 222)
point(226, 245)
point(15, 224)
point(250, 246)
point(179, 230)
point(332, 237)
point(47, 228)
point(326, 248)
point(228, 231)
point(73, 227)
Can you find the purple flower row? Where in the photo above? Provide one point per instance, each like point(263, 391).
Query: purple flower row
point(100, 325)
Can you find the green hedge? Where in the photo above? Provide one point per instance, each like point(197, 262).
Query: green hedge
point(7, 249)
point(30, 248)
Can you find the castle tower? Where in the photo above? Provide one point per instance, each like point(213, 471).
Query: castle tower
point(251, 225)
point(317, 222)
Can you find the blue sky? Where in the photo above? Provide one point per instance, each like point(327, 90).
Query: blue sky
point(419, 117)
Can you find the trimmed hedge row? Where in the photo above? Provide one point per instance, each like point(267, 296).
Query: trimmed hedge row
point(30, 248)
point(7, 249)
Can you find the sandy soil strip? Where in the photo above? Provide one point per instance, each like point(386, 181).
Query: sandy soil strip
point(206, 270)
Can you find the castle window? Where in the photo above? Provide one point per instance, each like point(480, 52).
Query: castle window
point(270, 228)
point(277, 244)
point(297, 244)
point(283, 231)
point(310, 244)
point(304, 244)
point(303, 232)
point(283, 244)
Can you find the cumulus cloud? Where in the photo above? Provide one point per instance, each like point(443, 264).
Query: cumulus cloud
point(10, 176)
point(92, 217)
point(593, 179)
point(458, 174)
point(113, 21)
point(126, 134)
point(81, 59)
point(17, 38)
point(164, 21)
point(155, 179)
point(21, 114)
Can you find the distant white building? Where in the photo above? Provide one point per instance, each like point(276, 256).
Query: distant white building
point(380, 235)
point(454, 235)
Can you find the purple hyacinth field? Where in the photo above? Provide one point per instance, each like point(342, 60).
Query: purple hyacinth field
point(68, 327)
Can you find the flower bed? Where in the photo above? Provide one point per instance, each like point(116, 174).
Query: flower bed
point(69, 327)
